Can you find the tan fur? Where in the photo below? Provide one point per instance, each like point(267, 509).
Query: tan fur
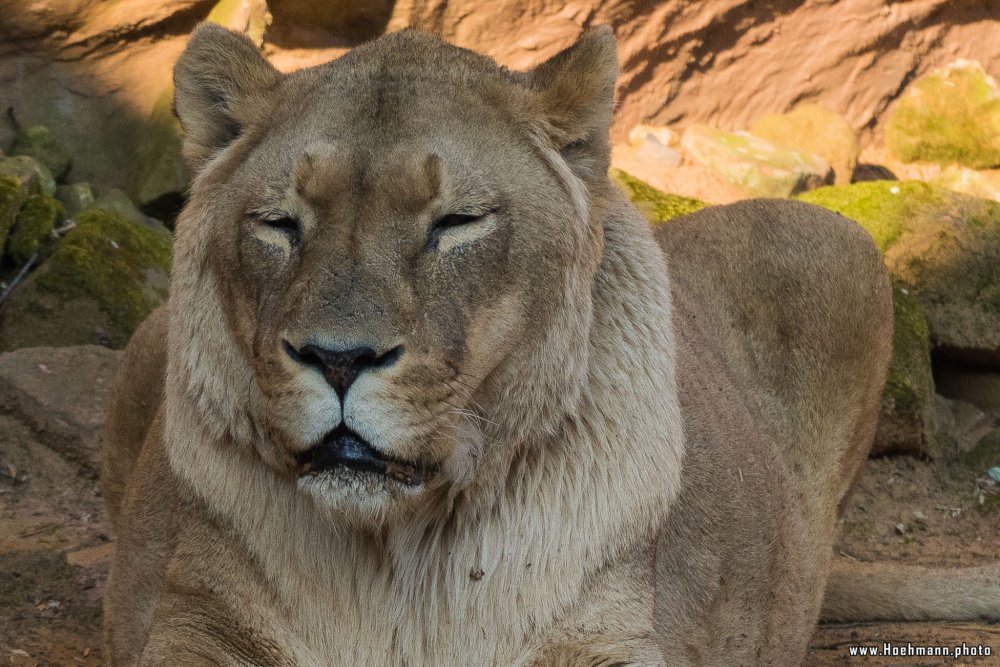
point(543, 376)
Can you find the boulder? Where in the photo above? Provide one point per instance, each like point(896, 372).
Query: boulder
point(75, 197)
point(961, 426)
point(62, 394)
point(943, 247)
point(951, 115)
point(30, 173)
point(32, 231)
point(811, 128)
point(660, 170)
point(250, 17)
point(660, 133)
point(115, 201)
point(11, 197)
point(655, 205)
point(756, 166)
point(968, 181)
point(39, 143)
point(105, 276)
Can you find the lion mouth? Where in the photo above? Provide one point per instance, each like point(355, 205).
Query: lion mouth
point(346, 449)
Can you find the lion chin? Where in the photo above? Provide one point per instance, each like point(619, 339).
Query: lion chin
point(346, 478)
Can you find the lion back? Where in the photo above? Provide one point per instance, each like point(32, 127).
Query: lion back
point(797, 303)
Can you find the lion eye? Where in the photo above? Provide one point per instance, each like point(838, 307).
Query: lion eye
point(290, 227)
point(456, 220)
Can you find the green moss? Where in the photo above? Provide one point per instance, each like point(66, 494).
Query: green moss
point(952, 115)
point(884, 208)
point(32, 233)
point(655, 205)
point(108, 259)
point(909, 384)
point(10, 204)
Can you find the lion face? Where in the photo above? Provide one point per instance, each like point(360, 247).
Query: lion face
point(392, 250)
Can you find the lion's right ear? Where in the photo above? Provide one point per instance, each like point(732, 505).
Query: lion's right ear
point(220, 82)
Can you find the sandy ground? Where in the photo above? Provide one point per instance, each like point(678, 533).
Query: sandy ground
point(55, 548)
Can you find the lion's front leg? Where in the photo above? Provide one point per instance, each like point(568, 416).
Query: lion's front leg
point(632, 652)
point(612, 625)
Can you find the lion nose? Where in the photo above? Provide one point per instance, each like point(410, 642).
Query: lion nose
point(341, 368)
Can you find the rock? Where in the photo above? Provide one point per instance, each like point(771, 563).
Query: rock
point(10, 203)
point(61, 393)
point(30, 173)
point(951, 115)
point(811, 128)
point(652, 152)
point(250, 17)
point(655, 205)
point(968, 181)
point(960, 426)
point(753, 164)
point(944, 247)
point(75, 197)
point(685, 180)
point(161, 174)
point(39, 143)
point(660, 133)
point(906, 422)
point(115, 201)
point(104, 277)
point(32, 231)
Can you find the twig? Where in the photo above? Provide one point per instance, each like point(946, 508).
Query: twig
point(13, 119)
point(70, 224)
point(18, 278)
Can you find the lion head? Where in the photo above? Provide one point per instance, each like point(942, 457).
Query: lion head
point(383, 278)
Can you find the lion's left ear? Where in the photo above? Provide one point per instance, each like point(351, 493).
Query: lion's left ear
point(576, 90)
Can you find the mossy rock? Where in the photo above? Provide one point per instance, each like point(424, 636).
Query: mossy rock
point(757, 166)
point(30, 173)
point(951, 115)
point(811, 128)
point(39, 143)
point(967, 181)
point(104, 278)
point(655, 205)
point(906, 421)
point(32, 231)
point(161, 176)
point(943, 247)
point(115, 201)
point(75, 197)
point(11, 197)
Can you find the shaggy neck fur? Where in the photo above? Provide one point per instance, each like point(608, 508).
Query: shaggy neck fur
point(573, 500)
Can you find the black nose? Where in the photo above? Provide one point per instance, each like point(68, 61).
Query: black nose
point(341, 368)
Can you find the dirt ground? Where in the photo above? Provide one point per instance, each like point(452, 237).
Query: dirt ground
point(55, 548)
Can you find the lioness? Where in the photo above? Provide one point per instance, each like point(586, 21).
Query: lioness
point(424, 395)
